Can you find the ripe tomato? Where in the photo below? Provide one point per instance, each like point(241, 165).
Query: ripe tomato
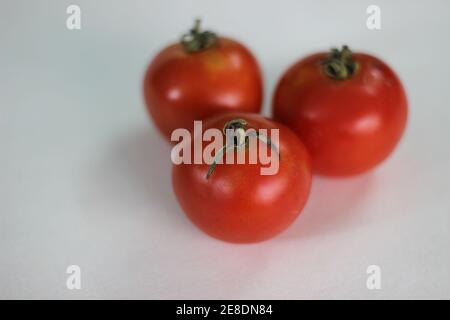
point(236, 203)
point(198, 77)
point(350, 110)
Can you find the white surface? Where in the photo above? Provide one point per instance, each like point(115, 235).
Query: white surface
point(85, 179)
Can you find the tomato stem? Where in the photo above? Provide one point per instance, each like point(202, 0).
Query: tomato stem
point(195, 40)
point(239, 140)
point(340, 64)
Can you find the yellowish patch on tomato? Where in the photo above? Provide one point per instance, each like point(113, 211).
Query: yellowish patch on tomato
point(214, 61)
point(303, 76)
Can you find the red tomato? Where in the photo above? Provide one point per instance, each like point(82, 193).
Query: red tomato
point(349, 110)
point(236, 203)
point(198, 77)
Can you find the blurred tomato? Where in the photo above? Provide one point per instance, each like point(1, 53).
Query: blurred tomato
point(198, 77)
point(350, 110)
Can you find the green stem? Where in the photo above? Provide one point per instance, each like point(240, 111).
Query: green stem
point(240, 141)
point(195, 40)
point(340, 64)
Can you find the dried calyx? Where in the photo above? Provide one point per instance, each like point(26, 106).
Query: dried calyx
point(196, 40)
point(340, 64)
point(237, 138)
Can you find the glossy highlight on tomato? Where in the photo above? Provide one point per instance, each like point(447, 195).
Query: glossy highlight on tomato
point(350, 109)
point(202, 75)
point(236, 203)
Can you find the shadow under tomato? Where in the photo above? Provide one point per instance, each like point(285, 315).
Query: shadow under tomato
point(333, 206)
point(133, 177)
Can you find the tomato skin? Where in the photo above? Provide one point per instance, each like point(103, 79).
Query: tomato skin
point(180, 87)
point(238, 204)
point(349, 126)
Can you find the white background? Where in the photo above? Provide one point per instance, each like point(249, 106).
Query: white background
point(85, 178)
